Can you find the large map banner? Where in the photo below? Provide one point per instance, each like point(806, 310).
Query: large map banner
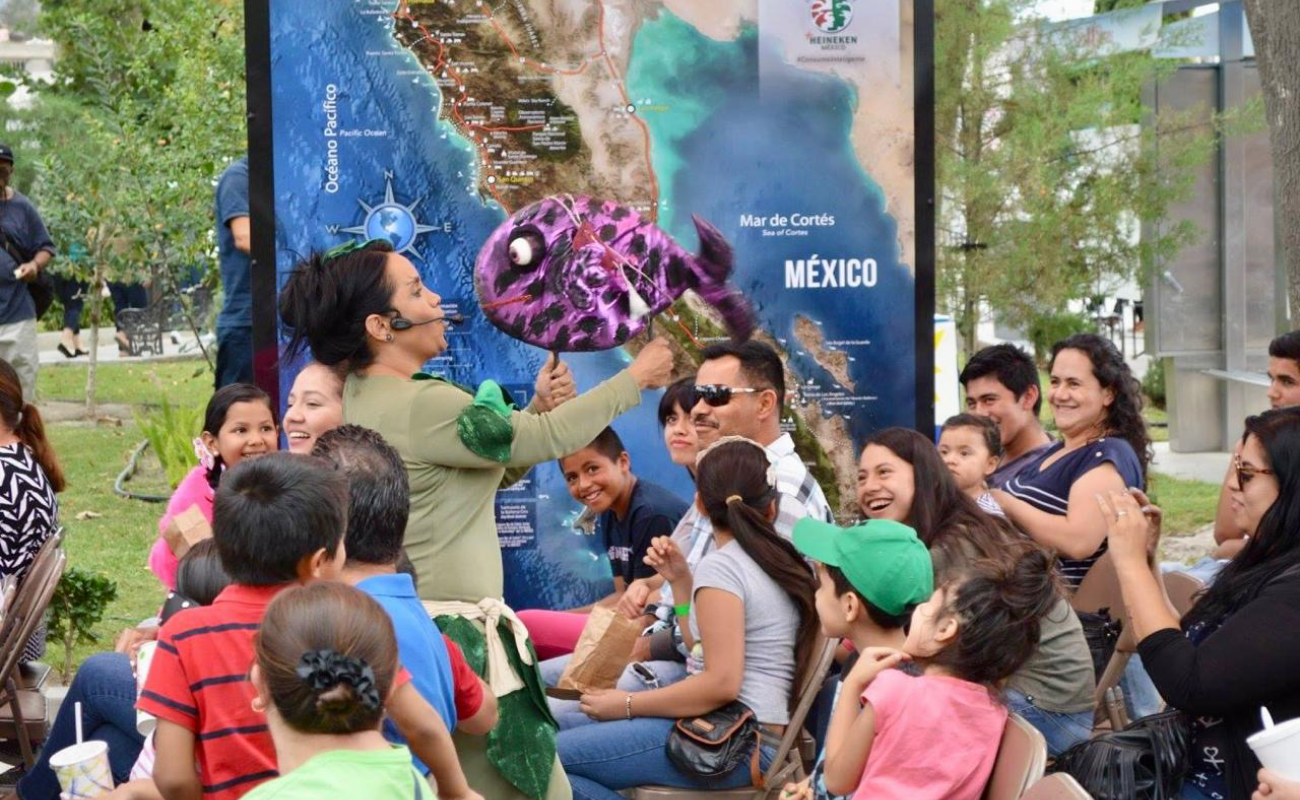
point(790, 125)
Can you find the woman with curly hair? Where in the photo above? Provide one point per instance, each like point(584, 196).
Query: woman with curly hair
point(1097, 404)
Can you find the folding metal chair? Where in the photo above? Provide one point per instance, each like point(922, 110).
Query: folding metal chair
point(22, 711)
point(1022, 760)
point(1057, 786)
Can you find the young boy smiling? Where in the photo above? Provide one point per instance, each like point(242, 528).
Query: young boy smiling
point(630, 512)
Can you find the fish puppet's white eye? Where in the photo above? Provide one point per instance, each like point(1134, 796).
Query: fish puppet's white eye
point(527, 248)
point(522, 253)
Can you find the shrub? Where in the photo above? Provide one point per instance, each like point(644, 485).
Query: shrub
point(1153, 382)
point(171, 431)
point(78, 605)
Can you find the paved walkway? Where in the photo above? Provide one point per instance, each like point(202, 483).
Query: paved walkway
point(176, 344)
point(1209, 467)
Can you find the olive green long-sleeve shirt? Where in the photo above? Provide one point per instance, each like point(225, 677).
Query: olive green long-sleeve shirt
point(451, 536)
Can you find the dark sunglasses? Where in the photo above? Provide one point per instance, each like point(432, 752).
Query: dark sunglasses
point(1246, 474)
point(717, 396)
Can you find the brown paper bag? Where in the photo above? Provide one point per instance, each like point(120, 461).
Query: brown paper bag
point(185, 530)
point(602, 653)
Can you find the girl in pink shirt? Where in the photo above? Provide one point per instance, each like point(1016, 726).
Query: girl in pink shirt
point(239, 423)
point(935, 736)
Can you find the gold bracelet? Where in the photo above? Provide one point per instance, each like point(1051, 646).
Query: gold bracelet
point(629, 706)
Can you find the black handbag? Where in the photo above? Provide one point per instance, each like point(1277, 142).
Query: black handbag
point(711, 746)
point(1102, 634)
point(41, 288)
point(1146, 761)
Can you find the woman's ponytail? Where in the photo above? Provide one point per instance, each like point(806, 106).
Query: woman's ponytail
point(735, 487)
point(329, 296)
point(31, 429)
point(24, 420)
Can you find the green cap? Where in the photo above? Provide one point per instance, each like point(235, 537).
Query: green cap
point(884, 560)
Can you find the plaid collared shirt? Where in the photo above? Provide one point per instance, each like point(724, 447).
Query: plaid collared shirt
point(801, 495)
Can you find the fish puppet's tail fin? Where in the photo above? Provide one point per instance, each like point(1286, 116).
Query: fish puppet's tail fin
point(714, 264)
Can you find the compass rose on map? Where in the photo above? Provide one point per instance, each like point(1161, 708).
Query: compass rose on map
point(390, 220)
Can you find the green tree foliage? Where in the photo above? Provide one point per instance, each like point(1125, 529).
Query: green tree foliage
point(1045, 168)
point(1102, 6)
point(145, 110)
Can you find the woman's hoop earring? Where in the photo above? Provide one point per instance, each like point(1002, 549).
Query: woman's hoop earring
point(388, 338)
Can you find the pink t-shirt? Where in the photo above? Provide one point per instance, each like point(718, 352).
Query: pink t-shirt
point(936, 738)
point(192, 491)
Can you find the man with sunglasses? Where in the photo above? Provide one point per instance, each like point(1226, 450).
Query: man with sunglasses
point(1283, 391)
point(740, 391)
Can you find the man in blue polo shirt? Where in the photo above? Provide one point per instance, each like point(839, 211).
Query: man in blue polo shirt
point(25, 250)
point(378, 506)
point(235, 322)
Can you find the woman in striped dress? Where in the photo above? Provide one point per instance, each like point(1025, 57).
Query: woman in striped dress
point(29, 477)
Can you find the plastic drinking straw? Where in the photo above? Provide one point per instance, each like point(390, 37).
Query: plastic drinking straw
point(78, 707)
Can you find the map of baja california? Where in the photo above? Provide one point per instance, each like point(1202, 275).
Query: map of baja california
point(539, 89)
point(785, 123)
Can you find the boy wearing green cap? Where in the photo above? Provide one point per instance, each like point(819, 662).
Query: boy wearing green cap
point(870, 578)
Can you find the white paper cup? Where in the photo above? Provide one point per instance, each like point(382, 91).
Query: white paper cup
point(144, 722)
point(1278, 748)
point(83, 770)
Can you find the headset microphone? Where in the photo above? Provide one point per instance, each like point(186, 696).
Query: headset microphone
point(404, 324)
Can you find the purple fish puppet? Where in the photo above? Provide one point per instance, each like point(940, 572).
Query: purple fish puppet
point(571, 273)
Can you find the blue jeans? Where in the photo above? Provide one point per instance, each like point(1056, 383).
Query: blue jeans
point(234, 355)
point(1205, 570)
point(105, 688)
point(1141, 697)
point(604, 757)
point(1060, 730)
point(566, 712)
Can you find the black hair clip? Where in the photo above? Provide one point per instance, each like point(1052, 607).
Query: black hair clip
point(325, 669)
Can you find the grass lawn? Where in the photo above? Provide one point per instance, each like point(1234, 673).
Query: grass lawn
point(1187, 504)
point(182, 383)
point(117, 542)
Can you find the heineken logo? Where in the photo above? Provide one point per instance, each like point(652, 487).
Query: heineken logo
point(831, 16)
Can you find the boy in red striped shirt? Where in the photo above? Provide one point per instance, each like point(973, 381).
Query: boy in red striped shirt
point(278, 520)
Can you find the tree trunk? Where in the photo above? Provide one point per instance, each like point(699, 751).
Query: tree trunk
point(1275, 28)
point(96, 301)
point(968, 321)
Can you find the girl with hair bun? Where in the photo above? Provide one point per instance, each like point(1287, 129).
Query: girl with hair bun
point(365, 309)
point(896, 736)
point(326, 659)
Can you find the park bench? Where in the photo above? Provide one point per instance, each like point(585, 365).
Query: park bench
point(144, 327)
